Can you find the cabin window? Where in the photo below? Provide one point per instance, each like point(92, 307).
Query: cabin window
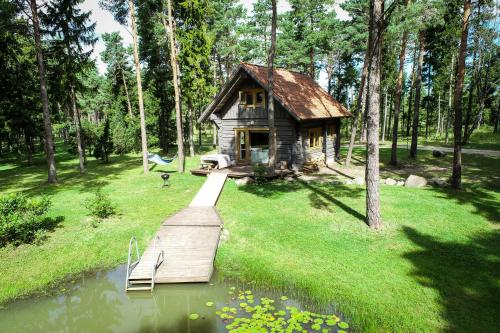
point(252, 98)
point(315, 137)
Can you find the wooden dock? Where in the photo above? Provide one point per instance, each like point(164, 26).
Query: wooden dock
point(188, 239)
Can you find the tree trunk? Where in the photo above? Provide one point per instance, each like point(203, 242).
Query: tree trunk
point(359, 105)
point(438, 129)
point(373, 115)
point(456, 178)
point(410, 96)
point(214, 138)
point(473, 81)
point(129, 105)
point(135, 44)
point(471, 97)
point(397, 100)
point(177, 89)
point(362, 137)
point(450, 92)
point(47, 125)
point(427, 104)
point(76, 121)
point(190, 131)
point(270, 81)
point(384, 125)
point(497, 119)
point(418, 88)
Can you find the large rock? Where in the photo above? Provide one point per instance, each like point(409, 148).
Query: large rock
point(438, 153)
point(390, 181)
point(244, 181)
point(415, 181)
point(439, 182)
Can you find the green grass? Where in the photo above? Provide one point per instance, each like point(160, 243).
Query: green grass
point(75, 246)
point(434, 267)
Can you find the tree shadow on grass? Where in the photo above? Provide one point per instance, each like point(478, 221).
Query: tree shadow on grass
point(485, 203)
point(32, 180)
point(321, 195)
point(466, 275)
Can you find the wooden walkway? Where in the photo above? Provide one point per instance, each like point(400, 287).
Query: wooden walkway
point(209, 193)
point(188, 239)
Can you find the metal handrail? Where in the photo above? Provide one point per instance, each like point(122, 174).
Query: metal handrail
point(132, 241)
point(156, 263)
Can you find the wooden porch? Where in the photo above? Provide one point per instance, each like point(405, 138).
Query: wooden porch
point(238, 171)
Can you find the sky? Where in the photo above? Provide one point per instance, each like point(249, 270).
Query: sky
point(105, 23)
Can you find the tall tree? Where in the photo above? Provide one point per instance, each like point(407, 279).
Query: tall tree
point(71, 31)
point(456, 178)
point(397, 97)
point(115, 55)
point(270, 82)
point(177, 91)
point(373, 115)
point(47, 125)
point(418, 88)
point(120, 10)
point(359, 105)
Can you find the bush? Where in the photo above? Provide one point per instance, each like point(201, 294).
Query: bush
point(260, 173)
point(100, 205)
point(22, 219)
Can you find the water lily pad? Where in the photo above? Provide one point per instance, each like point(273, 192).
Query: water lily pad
point(343, 325)
point(283, 298)
point(194, 316)
point(209, 303)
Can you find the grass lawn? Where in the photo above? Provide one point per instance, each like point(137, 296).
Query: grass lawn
point(75, 245)
point(434, 267)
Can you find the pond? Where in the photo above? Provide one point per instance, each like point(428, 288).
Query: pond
point(97, 303)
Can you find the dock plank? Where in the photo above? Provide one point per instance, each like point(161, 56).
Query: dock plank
point(188, 239)
point(209, 193)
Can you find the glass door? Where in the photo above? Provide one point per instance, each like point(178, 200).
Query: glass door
point(242, 146)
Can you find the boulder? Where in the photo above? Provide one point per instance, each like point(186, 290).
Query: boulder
point(390, 181)
point(438, 153)
point(244, 181)
point(439, 182)
point(400, 183)
point(358, 181)
point(415, 181)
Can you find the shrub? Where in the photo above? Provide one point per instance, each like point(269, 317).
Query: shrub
point(260, 173)
point(22, 219)
point(100, 205)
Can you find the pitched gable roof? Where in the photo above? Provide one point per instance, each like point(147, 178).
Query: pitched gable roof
point(298, 93)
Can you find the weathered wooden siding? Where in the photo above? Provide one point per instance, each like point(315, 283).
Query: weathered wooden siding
point(233, 116)
point(292, 137)
point(302, 151)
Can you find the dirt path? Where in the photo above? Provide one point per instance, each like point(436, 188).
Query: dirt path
point(483, 152)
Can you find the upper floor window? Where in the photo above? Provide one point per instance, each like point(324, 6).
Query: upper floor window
point(315, 137)
point(252, 98)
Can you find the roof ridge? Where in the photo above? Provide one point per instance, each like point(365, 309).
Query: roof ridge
point(278, 68)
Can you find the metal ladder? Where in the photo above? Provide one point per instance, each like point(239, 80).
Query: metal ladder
point(146, 284)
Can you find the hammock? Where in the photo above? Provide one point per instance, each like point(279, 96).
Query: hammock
point(155, 158)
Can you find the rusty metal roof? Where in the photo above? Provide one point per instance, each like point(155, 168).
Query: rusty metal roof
point(296, 92)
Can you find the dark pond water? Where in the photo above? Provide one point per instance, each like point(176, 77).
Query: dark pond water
point(98, 303)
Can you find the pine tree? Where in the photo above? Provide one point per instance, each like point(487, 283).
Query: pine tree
point(47, 125)
point(456, 178)
point(373, 109)
point(121, 9)
point(270, 91)
point(115, 56)
point(71, 31)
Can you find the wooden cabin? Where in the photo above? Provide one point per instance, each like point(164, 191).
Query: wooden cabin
point(307, 118)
